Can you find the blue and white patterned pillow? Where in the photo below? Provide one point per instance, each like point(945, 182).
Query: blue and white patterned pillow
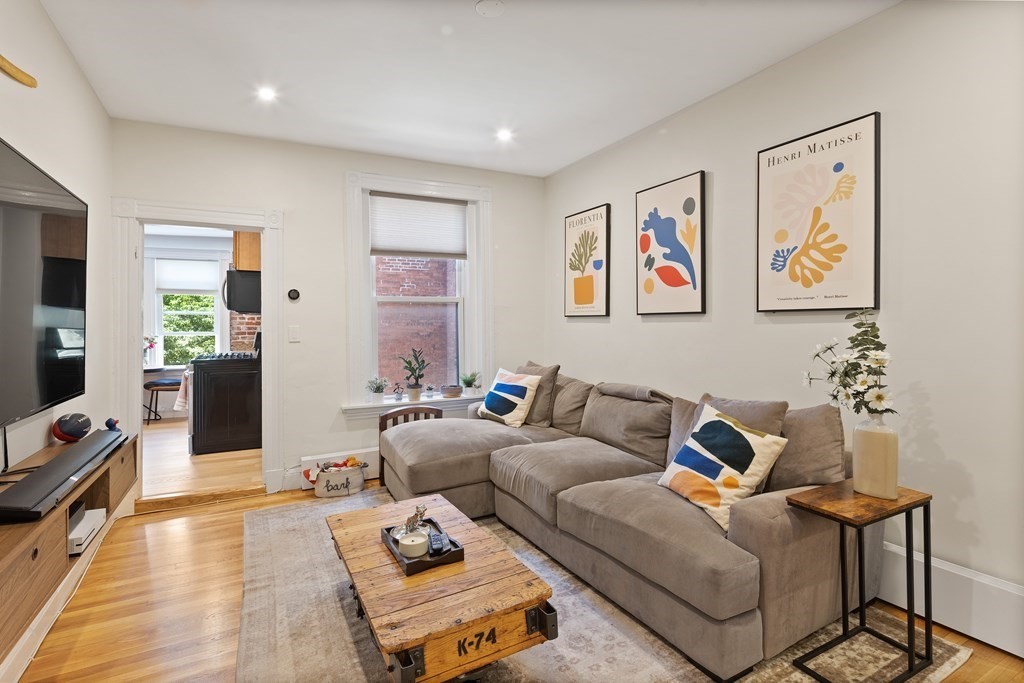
point(509, 399)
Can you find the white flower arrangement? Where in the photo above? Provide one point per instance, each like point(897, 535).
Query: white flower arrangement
point(855, 375)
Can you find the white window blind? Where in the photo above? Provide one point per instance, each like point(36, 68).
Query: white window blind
point(413, 226)
point(175, 274)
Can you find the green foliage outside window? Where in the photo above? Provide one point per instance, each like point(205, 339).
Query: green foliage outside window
point(188, 324)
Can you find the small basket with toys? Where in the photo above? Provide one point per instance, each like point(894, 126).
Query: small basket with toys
point(341, 478)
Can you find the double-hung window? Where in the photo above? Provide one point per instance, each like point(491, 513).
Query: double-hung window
point(418, 273)
point(418, 252)
point(187, 316)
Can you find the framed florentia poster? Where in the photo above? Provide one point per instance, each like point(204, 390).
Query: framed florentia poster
point(586, 262)
point(670, 247)
point(818, 220)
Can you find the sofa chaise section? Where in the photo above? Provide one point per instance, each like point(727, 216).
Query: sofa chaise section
point(451, 457)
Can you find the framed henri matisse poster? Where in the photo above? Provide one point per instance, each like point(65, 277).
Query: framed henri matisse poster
point(586, 262)
point(818, 220)
point(670, 247)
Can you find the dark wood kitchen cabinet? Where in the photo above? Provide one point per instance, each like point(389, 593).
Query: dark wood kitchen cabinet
point(226, 406)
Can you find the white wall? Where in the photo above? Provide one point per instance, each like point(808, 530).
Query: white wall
point(308, 184)
point(947, 78)
point(62, 127)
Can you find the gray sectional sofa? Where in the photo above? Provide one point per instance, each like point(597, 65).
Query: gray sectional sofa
point(580, 481)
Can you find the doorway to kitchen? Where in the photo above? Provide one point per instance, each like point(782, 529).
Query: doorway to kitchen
point(202, 389)
point(130, 216)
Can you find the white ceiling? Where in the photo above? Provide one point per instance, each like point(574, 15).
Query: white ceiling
point(432, 79)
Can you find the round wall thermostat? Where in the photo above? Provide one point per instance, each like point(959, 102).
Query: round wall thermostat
point(293, 294)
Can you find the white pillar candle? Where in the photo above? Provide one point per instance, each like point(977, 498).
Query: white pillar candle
point(412, 545)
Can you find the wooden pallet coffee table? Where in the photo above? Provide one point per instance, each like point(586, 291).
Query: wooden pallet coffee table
point(451, 619)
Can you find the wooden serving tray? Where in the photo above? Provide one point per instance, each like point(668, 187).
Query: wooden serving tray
point(415, 565)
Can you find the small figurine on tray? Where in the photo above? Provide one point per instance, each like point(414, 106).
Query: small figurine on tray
point(413, 524)
point(420, 543)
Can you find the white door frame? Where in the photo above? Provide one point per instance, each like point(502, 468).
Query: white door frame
point(129, 216)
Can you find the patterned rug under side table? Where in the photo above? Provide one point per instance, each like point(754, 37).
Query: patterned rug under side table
point(840, 503)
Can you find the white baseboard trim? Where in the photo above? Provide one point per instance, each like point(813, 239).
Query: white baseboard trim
point(15, 664)
point(275, 480)
point(986, 608)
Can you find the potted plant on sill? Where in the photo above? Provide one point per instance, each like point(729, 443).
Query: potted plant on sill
point(376, 387)
point(469, 379)
point(414, 367)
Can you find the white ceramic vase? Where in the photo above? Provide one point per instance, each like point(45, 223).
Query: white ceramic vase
point(876, 452)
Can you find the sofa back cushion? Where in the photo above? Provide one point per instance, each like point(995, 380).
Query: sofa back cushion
point(764, 416)
point(510, 397)
point(543, 400)
point(569, 399)
point(814, 454)
point(632, 418)
point(683, 412)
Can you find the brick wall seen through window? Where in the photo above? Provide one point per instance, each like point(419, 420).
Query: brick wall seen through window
point(431, 326)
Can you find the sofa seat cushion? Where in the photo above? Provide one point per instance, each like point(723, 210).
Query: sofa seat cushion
point(668, 540)
point(431, 455)
point(537, 473)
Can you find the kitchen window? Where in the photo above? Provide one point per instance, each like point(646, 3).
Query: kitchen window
point(188, 315)
point(186, 326)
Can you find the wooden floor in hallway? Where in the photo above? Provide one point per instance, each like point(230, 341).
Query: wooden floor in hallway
point(162, 602)
point(169, 473)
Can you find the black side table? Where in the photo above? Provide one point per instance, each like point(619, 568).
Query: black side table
point(839, 502)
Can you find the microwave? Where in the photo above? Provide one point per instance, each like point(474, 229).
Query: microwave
point(242, 291)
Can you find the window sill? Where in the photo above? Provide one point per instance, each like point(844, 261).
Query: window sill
point(377, 408)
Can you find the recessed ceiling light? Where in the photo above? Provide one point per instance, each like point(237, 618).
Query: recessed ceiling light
point(266, 94)
point(490, 8)
point(504, 135)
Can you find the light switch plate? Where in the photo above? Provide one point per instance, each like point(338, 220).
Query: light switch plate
point(293, 333)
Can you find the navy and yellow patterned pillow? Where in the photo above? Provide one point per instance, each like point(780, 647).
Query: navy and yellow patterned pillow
point(720, 463)
point(509, 398)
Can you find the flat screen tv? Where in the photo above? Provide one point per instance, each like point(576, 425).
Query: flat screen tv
point(42, 289)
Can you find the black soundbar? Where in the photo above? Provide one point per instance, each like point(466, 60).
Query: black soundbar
point(43, 489)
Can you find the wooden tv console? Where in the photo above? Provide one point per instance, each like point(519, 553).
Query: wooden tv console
point(34, 555)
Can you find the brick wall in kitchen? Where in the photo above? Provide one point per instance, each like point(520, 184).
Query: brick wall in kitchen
point(244, 327)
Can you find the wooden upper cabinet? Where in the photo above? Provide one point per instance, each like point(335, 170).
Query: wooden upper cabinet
point(65, 236)
point(247, 250)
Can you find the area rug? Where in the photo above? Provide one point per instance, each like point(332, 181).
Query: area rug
point(299, 620)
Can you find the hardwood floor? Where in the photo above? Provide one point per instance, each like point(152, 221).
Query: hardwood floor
point(162, 599)
point(169, 472)
point(986, 665)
